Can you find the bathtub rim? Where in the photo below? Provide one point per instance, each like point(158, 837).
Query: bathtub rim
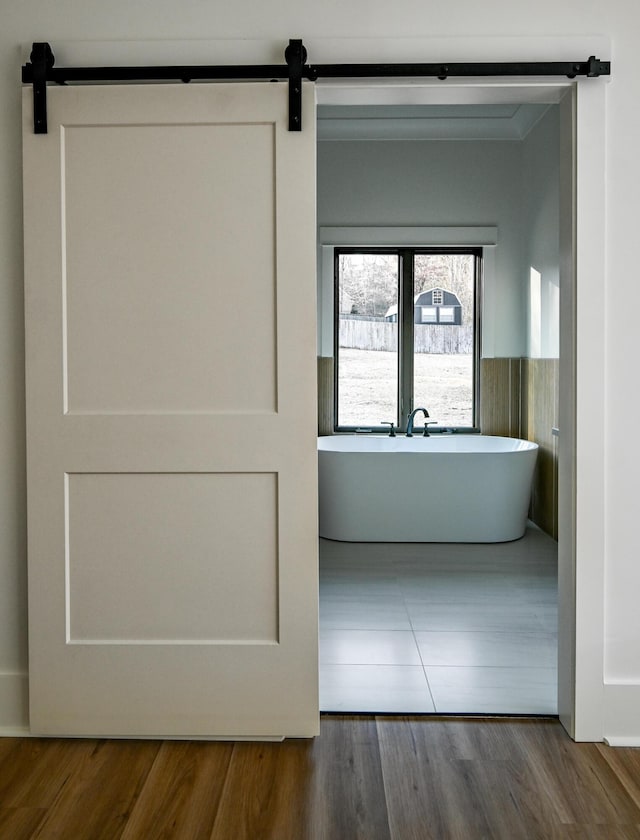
point(435, 444)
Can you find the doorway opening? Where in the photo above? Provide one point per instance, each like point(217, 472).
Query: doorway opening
point(451, 628)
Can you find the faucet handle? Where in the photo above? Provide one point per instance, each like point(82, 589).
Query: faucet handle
point(428, 423)
point(391, 424)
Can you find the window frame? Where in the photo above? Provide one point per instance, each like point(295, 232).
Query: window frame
point(405, 320)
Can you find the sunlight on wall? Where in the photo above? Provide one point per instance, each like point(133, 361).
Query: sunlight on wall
point(544, 316)
point(535, 314)
point(552, 320)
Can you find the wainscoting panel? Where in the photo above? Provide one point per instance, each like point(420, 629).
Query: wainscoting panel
point(539, 417)
point(500, 397)
point(520, 399)
point(325, 395)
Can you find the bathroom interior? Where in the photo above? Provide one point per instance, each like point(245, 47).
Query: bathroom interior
point(451, 627)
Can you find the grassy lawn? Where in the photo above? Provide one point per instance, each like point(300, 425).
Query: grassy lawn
point(368, 385)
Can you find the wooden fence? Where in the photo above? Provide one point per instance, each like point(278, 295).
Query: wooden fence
point(359, 334)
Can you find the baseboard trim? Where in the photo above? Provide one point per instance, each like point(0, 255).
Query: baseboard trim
point(624, 741)
point(14, 704)
point(15, 732)
point(622, 714)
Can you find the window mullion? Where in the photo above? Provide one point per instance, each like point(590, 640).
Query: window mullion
point(405, 338)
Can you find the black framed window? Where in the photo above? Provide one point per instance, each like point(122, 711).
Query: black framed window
point(407, 335)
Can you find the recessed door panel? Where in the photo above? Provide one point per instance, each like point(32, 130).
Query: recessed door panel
point(150, 337)
point(173, 558)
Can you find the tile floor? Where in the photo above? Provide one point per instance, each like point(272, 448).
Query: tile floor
point(447, 628)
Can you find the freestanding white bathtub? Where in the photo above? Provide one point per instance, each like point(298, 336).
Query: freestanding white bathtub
point(443, 488)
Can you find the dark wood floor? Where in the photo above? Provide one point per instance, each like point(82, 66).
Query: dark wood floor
point(408, 778)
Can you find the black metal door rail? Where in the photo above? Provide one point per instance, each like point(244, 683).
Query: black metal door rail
point(41, 70)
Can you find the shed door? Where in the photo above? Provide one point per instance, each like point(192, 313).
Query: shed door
point(170, 311)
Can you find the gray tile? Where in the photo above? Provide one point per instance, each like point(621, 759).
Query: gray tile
point(485, 618)
point(458, 590)
point(368, 647)
point(493, 690)
point(547, 616)
point(370, 614)
point(451, 616)
point(480, 648)
point(536, 591)
point(374, 688)
point(452, 588)
point(361, 587)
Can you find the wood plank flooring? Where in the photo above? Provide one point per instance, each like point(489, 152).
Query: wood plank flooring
point(374, 778)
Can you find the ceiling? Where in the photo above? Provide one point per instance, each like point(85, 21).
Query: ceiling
point(427, 122)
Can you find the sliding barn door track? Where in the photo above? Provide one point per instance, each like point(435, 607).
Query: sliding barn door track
point(41, 69)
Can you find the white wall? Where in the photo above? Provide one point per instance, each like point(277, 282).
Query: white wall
point(437, 183)
point(325, 26)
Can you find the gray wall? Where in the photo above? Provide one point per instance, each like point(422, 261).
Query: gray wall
point(540, 226)
point(509, 184)
point(432, 183)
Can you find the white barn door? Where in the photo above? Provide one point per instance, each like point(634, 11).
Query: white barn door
point(170, 314)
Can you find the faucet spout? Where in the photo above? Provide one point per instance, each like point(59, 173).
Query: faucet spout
point(412, 418)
